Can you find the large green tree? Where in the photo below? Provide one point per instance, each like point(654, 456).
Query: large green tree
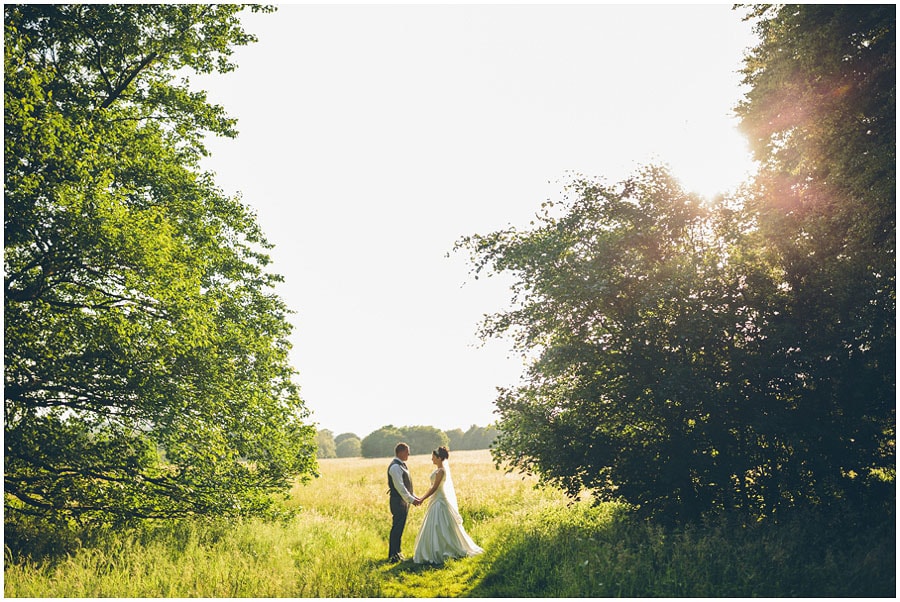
point(693, 357)
point(146, 353)
point(821, 118)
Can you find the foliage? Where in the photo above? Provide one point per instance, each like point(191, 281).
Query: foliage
point(821, 117)
point(695, 357)
point(478, 437)
point(349, 447)
point(423, 439)
point(538, 544)
point(345, 436)
point(382, 442)
point(326, 443)
point(146, 356)
point(638, 318)
point(455, 438)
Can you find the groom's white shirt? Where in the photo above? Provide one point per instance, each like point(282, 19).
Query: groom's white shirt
point(396, 472)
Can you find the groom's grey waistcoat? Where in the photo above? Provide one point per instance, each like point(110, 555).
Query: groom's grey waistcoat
point(407, 481)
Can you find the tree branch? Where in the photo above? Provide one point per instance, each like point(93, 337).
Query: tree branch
point(114, 95)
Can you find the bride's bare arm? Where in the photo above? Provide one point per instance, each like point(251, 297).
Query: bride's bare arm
point(437, 481)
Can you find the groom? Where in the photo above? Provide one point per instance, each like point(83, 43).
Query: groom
point(400, 488)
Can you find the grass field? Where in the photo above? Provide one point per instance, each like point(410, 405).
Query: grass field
point(537, 544)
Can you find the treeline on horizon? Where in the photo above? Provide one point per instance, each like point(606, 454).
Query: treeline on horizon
point(421, 440)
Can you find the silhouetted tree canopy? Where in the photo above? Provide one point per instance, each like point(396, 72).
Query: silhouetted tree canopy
point(696, 356)
point(821, 117)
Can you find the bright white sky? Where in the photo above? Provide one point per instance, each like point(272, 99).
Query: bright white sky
point(374, 137)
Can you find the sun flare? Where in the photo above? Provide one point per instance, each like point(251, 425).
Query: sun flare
point(713, 160)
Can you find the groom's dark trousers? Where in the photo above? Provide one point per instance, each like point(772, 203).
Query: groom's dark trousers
point(399, 510)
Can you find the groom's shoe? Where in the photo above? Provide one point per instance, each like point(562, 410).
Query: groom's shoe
point(397, 558)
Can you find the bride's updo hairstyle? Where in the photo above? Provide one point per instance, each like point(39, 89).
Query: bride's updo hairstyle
point(442, 452)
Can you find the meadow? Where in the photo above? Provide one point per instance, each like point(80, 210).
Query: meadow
point(538, 544)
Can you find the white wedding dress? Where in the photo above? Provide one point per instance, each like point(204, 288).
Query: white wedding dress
point(442, 535)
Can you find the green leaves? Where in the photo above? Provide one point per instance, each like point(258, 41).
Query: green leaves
point(147, 370)
point(823, 111)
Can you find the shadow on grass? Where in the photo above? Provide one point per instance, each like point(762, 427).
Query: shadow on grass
point(541, 557)
point(588, 554)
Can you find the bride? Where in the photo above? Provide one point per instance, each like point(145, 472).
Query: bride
point(442, 535)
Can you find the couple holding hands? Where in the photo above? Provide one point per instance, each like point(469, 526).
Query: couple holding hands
point(442, 535)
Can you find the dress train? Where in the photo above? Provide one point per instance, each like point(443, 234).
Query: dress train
point(442, 535)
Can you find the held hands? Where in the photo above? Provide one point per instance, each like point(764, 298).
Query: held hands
point(417, 502)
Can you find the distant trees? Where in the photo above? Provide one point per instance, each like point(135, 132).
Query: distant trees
point(146, 354)
point(326, 443)
point(345, 445)
point(381, 443)
point(424, 439)
point(455, 438)
point(477, 437)
point(348, 445)
point(694, 356)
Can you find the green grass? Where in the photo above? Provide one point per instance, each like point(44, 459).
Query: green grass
point(537, 544)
